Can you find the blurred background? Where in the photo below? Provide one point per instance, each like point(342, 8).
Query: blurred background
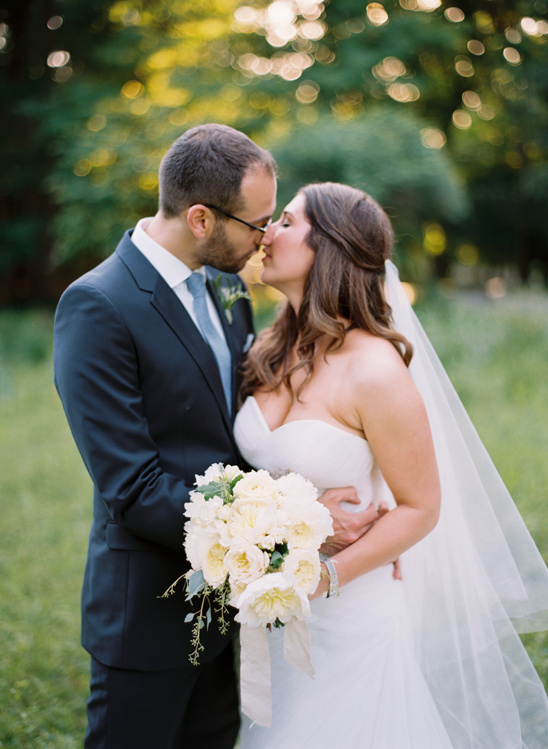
point(439, 110)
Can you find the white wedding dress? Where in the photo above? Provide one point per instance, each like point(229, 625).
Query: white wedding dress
point(368, 691)
point(433, 661)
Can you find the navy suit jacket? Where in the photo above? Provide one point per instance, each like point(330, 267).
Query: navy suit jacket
point(144, 400)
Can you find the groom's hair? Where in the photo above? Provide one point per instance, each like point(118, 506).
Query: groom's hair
point(207, 165)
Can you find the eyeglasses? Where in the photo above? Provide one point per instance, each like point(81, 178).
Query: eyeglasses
point(262, 229)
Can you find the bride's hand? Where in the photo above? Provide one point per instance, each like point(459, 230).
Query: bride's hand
point(348, 527)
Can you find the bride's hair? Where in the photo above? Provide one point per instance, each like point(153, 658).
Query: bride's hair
point(352, 237)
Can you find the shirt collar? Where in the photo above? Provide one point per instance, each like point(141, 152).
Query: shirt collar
point(172, 270)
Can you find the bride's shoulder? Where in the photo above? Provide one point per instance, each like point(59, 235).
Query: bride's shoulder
point(373, 361)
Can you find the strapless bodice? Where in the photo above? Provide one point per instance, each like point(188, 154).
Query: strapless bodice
point(325, 454)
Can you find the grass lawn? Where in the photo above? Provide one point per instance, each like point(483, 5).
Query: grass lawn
point(496, 354)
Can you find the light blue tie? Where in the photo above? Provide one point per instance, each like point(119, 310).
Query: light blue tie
point(196, 286)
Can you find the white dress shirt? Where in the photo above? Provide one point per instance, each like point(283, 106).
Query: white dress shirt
point(173, 271)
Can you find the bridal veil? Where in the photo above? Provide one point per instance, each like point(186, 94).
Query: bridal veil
point(477, 579)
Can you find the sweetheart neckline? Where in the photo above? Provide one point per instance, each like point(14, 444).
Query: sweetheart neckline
point(300, 421)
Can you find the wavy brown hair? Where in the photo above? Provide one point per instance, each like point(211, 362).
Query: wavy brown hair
point(352, 237)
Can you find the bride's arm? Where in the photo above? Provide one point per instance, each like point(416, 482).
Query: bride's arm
point(393, 417)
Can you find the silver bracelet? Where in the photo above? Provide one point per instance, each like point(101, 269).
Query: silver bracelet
point(334, 589)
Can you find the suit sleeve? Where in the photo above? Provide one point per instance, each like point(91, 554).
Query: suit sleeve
point(97, 378)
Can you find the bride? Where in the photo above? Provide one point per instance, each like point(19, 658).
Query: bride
point(345, 389)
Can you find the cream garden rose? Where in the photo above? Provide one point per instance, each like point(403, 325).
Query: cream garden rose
point(307, 526)
point(250, 519)
point(246, 562)
point(203, 511)
point(257, 484)
point(216, 471)
point(294, 488)
point(198, 541)
point(302, 567)
point(214, 567)
point(269, 598)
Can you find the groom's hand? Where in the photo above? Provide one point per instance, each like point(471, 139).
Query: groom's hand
point(348, 527)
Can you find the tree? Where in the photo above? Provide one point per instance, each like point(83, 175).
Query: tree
point(382, 153)
point(97, 89)
point(474, 72)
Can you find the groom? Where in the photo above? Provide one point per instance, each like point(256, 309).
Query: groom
point(146, 364)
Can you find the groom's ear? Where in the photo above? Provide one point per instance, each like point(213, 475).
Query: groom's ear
point(200, 220)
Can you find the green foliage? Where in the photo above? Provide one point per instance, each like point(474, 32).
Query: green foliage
point(81, 142)
point(228, 295)
point(24, 337)
point(46, 512)
point(495, 352)
point(381, 153)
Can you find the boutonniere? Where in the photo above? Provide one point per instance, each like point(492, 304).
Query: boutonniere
point(228, 294)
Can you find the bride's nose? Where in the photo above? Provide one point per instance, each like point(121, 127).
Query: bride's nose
point(267, 237)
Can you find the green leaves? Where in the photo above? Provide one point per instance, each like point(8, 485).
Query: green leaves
point(228, 294)
point(276, 560)
point(82, 143)
point(195, 584)
point(204, 615)
point(223, 489)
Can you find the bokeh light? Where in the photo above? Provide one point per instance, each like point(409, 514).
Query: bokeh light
point(495, 287)
point(511, 55)
point(307, 92)
point(464, 67)
point(475, 47)
point(433, 137)
point(132, 89)
point(97, 122)
point(389, 69)
point(410, 291)
point(55, 22)
point(58, 58)
point(471, 100)
point(461, 119)
point(434, 240)
point(467, 254)
point(403, 92)
point(376, 14)
point(455, 15)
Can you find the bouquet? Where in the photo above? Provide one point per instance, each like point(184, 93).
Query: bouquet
point(253, 541)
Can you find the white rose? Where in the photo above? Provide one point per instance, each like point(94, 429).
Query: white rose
point(197, 542)
point(217, 472)
point(268, 541)
point(202, 510)
point(295, 488)
point(246, 562)
point(302, 566)
point(256, 484)
point(224, 512)
point(236, 589)
point(269, 598)
point(232, 471)
point(250, 519)
point(213, 473)
point(214, 568)
point(308, 527)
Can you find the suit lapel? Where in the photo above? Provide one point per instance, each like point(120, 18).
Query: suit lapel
point(166, 303)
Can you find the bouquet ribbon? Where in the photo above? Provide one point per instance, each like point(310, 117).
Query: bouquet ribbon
point(255, 692)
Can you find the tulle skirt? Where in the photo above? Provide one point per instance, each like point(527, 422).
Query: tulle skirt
point(368, 690)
